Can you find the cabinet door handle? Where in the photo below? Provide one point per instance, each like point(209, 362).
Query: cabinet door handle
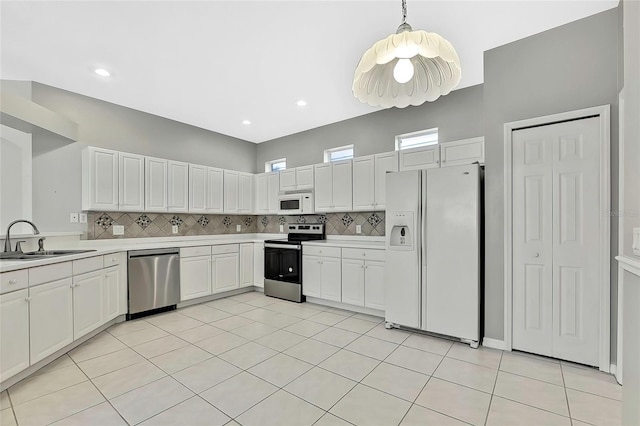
point(11, 282)
point(27, 299)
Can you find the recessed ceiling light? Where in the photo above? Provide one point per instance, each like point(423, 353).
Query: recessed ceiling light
point(102, 72)
point(246, 122)
point(301, 103)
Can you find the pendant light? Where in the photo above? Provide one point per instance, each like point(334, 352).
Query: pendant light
point(406, 68)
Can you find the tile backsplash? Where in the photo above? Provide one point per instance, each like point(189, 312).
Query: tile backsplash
point(144, 225)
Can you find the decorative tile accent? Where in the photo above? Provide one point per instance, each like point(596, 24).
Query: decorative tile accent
point(203, 221)
point(374, 219)
point(104, 221)
point(143, 221)
point(322, 218)
point(301, 219)
point(227, 221)
point(347, 220)
point(264, 220)
point(248, 221)
point(282, 220)
point(175, 220)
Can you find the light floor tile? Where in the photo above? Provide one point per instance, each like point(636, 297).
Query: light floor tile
point(306, 328)
point(142, 336)
point(58, 405)
point(177, 360)
point(336, 337)
point(245, 297)
point(105, 364)
point(372, 347)
point(327, 318)
point(61, 362)
point(281, 320)
point(231, 323)
point(149, 400)
point(420, 416)
point(204, 313)
point(102, 414)
point(532, 392)
point(371, 318)
point(280, 369)
point(262, 302)
point(343, 312)
point(259, 315)
point(238, 394)
point(427, 343)
point(128, 327)
point(414, 359)
point(349, 364)
point(237, 309)
point(467, 374)
point(221, 343)
point(594, 409)
point(320, 387)
point(392, 335)
point(366, 406)
point(254, 330)
point(42, 384)
point(330, 420)
point(7, 418)
point(591, 381)
point(486, 357)
point(504, 412)
point(534, 368)
point(456, 401)
point(198, 334)
point(128, 378)
point(221, 302)
point(192, 412)
point(248, 355)
point(397, 381)
point(281, 408)
point(159, 346)
point(101, 344)
point(312, 351)
point(178, 323)
point(206, 374)
point(280, 340)
point(356, 325)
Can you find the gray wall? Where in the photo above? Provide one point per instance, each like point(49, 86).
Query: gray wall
point(57, 163)
point(566, 68)
point(457, 116)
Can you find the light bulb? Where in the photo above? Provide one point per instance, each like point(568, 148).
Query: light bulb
point(403, 71)
point(102, 72)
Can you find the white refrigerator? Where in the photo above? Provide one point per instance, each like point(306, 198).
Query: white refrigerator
point(433, 235)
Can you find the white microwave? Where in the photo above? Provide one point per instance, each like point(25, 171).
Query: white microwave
point(297, 203)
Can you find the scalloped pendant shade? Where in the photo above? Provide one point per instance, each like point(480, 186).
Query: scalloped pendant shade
point(436, 69)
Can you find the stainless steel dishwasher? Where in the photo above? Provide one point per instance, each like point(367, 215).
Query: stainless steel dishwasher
point(154, 280)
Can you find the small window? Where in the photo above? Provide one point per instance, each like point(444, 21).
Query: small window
point(275, 165)
point(339, 153)
point(416, 139)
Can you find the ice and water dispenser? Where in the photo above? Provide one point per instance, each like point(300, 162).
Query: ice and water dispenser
point(401, 234)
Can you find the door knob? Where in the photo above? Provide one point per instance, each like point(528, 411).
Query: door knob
point(536, 255)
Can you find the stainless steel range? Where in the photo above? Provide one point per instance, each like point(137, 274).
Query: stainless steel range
point(283, 261)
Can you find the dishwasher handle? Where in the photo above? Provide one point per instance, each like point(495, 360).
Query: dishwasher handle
point(153, 252)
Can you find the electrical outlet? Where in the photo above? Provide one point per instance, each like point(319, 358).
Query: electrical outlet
point(73, 218)
point(358, 229)
point(281, 228)
point(118, 229)
point(83, 218)
point(238, 228)
point(174, 229)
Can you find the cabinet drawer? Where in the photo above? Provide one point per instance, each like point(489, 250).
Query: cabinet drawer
point(195, 251)
point(45, 274)
point(363, 254)
point(112, 259)
point(87, 265)
point(225, 248)
point(321, 251)
point(14, 280)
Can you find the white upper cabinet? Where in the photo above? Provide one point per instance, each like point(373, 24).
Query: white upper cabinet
point(215, 190)
point(245, 192)
point(130, 182)
point(464, 151)
point(333, 187)
point(99, 179)
point(296, 179)
point(324, 188)
point(155, 184)
point(273, 184)
point(364, 183)
point(231, 191)
point(425, 157)
point(198, 188)
point(177, 186)
point(386, 162)
point(266, 193)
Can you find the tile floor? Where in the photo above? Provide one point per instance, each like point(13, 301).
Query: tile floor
point(254, 360)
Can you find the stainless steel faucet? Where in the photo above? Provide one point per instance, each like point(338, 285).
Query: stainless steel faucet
point(7, 238)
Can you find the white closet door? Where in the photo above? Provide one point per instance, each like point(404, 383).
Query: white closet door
point(532, 241)
point(576, 247)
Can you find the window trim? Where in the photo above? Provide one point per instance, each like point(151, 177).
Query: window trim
point(268, 165)
point(400, 138)
point(328, 152)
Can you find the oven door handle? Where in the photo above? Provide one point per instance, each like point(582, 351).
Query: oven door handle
point(284, 246)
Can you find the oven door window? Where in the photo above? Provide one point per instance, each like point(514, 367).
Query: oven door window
point(282, 264)
point(290, 204)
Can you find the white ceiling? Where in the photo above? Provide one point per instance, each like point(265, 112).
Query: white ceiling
point(214, 64)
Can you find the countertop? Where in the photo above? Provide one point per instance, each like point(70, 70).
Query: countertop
point(369, 243)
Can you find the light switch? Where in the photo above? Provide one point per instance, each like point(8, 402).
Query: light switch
point(83, 218)
point(281, 228)
point(358, 229)
point(238, 228)
point(174, 229)
point(118, 229)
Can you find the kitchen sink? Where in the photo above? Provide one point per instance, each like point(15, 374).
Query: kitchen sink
point(32, 255)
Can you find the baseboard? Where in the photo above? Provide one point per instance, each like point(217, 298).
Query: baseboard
point(493, 343)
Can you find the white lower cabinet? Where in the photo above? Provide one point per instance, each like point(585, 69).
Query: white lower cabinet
point(111, 293)
point(50, 318)
point(374, 284)
point(353, 282)
point(14, 333)
point(258, 264)
point(321, 277)
point(195, 277)
point(224, 272)
point(87, 302)
point(246, 265)
point(311, 276)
